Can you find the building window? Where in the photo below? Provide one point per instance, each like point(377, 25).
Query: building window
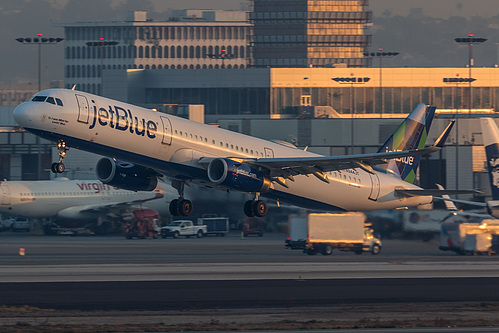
point(147, 55)
point(198, 52)
point(191, 52)
point(185, 52)
point(166, 52)
point(141, 52)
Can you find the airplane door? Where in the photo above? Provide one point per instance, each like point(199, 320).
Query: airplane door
point(82, 109)
point(5, 193)
point(374, 187)
point(167, 131)
point(269, 153)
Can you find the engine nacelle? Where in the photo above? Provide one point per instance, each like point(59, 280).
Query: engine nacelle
point(236, 175)
point(125, 175)
point(493, 208)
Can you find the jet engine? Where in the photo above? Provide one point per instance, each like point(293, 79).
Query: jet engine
point(125, 175)
point(236, 175)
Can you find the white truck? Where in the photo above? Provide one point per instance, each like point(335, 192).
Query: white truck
point(183, 228)
point(218, 226)
point(321, 233)
point(470, 238)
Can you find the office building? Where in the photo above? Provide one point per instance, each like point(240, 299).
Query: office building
point(194, 39)
point(310, 33)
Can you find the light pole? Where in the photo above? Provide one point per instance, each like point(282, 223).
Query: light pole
point(39, 40)
point(222, 55)
point(352, 80)
point(100, 44)
point(470, 40)
point(381, 54)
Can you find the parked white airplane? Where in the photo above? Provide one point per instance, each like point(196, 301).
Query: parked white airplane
point(190, 152)
point(66, 199)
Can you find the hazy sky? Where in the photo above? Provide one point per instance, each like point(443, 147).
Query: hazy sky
point(438, 8)
point(26, 18)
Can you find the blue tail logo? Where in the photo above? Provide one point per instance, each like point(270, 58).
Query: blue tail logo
point(492, 152)
point(411, 134)
point(490, 135)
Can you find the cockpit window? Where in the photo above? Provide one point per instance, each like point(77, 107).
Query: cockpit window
point(39, 98)
point(50, 100)
point(58, 101)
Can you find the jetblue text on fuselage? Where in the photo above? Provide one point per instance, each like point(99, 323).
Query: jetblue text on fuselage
point(122, 120)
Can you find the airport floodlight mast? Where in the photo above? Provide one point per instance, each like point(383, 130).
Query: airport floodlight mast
point(381, 54)
point(222, 55)
point(470, 40)
point(100, 48)
point(39, 40)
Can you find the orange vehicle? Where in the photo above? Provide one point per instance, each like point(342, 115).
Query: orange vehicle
point(142, 224)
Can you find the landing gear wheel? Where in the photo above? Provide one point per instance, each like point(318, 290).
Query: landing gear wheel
point(60, 167)
point(185, 207)
point(174, 207)
point(260, 208)
point(57, 167)
point(248, 208)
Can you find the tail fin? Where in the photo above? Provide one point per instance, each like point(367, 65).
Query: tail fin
point(411, 134)
point(490, 135)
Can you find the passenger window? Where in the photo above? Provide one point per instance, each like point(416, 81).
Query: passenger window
point(39, 98)
point(50, 100)
point(58, 101)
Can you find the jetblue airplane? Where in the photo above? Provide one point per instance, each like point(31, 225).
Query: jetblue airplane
point(155, 144)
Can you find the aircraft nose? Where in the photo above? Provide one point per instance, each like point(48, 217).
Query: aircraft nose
point(22, 115)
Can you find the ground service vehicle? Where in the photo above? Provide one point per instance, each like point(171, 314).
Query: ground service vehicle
point(20, 224)
point(470, 238)
point(141, 223)
point(218, 226)
point(253, 226)
point(183, 228)
point(321, 233)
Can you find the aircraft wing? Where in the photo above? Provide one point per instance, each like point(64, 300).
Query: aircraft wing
point(108, 207)
point(289, 167)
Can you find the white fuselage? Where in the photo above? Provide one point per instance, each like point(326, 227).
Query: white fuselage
point(63, 198)
point(175, 146)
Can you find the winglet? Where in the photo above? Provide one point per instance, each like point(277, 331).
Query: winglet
point(443, 137)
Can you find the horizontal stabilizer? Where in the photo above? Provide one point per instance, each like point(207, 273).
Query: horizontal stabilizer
point(434, 192)
point(474, 203)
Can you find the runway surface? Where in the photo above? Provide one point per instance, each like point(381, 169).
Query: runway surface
point(115, 273)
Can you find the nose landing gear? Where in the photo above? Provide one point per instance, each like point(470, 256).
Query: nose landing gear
point(59, 167)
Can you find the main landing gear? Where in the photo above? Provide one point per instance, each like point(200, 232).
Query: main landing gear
point(180, 206)
point(255, 207)
point(59, 167)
